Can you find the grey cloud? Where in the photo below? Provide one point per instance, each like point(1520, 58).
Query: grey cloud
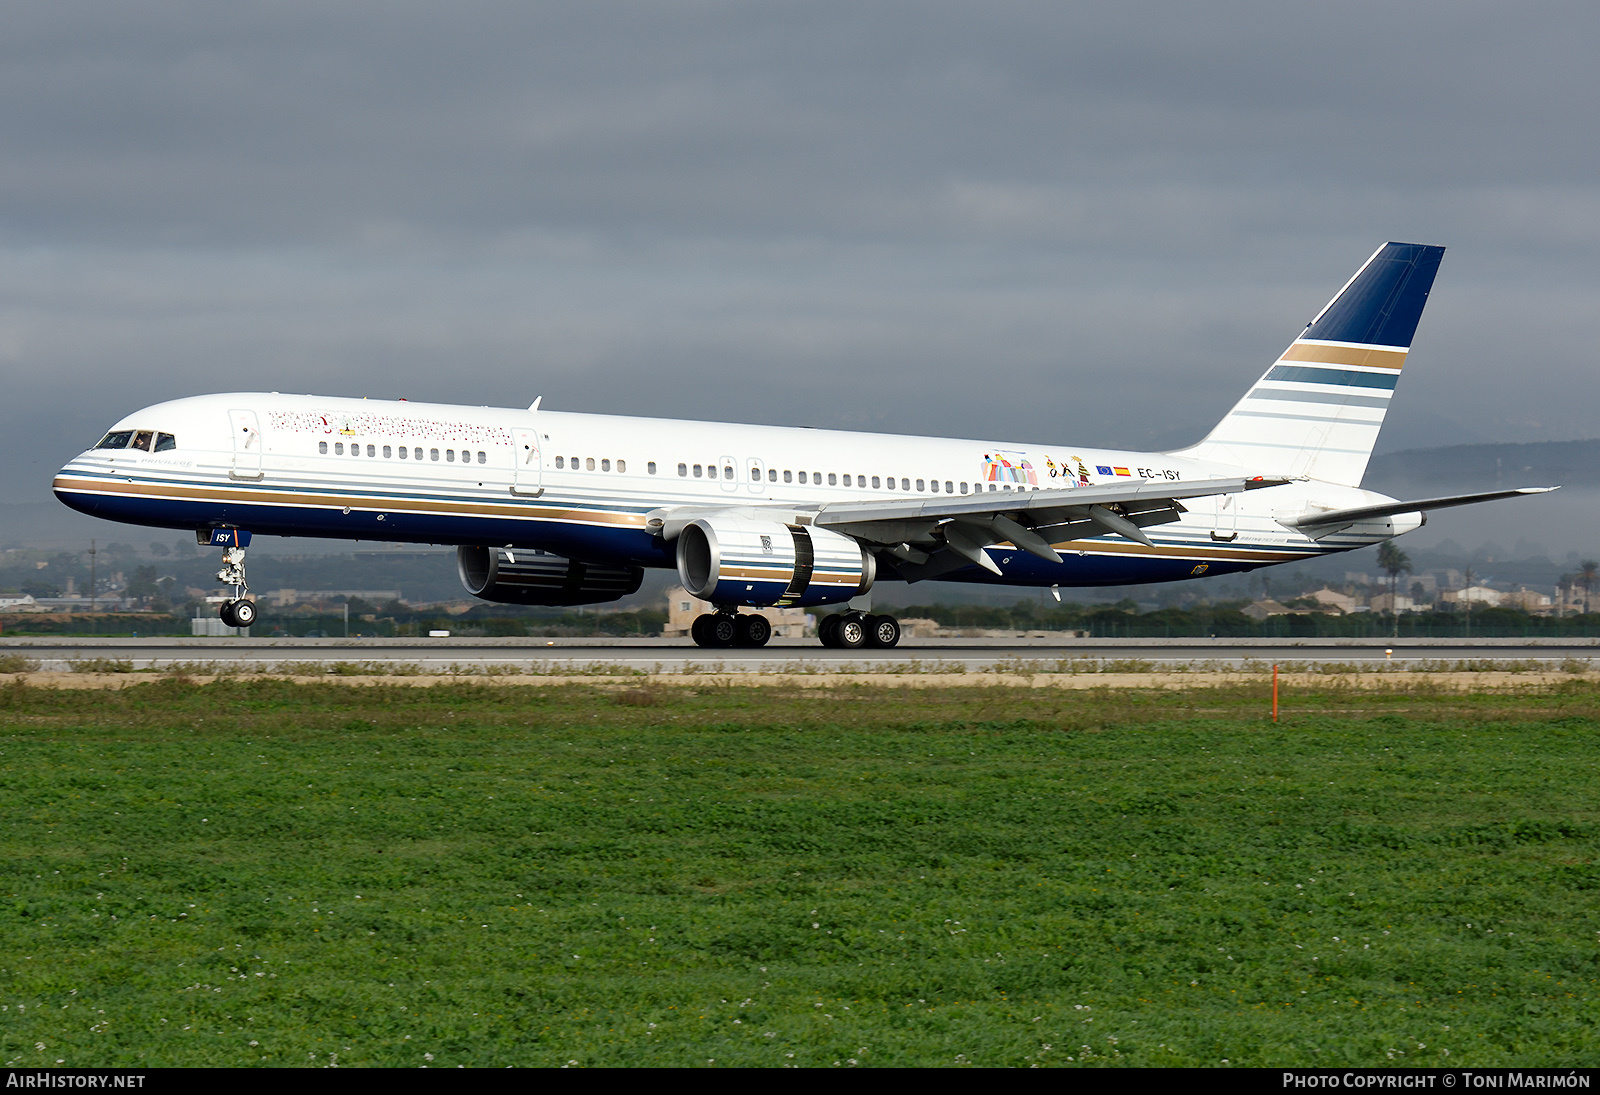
point(286, 121)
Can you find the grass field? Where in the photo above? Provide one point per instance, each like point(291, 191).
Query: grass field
point(256, 872)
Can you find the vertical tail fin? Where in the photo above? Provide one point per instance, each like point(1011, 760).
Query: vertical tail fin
point(1317, 411)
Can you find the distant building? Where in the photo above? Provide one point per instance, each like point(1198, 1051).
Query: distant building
point(1260, 610)
point(1336, 603)
point(1570, 599)
point(1473, 595)
point(1402, 603)
point(1537, 604)
point(683, 607)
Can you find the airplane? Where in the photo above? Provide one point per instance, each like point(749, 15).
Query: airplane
point(550, 507)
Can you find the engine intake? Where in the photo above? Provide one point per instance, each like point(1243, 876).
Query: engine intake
point(528, 577)
point(733, 560)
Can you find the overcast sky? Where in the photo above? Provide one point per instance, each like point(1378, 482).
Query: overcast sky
point(1086, 224)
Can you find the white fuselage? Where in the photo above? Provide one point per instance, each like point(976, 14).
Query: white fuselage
point(581, 485)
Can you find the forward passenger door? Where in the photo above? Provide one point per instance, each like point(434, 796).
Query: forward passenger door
point(247, 444)
point(528, 476)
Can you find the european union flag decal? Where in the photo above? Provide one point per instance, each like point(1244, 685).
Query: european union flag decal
point(1102, 469)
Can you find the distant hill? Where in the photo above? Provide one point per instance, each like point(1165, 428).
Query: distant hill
point(1466, 468)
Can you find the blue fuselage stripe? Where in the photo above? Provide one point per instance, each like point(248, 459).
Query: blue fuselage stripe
point(1307, 374)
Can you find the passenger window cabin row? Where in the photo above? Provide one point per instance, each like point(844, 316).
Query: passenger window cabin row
point(590, 464)
point(815, 478)
point(405, 453)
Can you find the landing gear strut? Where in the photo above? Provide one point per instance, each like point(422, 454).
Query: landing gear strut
point(853, 630)
point(729, 629)
point(237, 611)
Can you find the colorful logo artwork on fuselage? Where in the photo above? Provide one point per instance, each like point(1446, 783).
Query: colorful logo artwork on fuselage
point(1065, 473)
point(998, 468)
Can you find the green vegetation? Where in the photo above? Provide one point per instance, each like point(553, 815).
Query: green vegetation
point(256, 872)
point(1227, 620)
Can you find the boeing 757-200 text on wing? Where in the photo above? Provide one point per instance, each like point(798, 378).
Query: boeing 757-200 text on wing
point(551, 508)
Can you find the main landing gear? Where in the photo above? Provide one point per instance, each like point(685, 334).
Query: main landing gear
point(237, 611)
point(729, 629)
point(843, 630)
point(853, 630)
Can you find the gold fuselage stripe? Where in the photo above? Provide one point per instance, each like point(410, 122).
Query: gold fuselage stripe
point(1344, 355)
point(264, 496)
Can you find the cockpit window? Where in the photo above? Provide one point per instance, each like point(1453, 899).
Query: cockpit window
point(148, 440)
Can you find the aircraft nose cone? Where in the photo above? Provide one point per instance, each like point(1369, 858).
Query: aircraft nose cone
point(66, 488)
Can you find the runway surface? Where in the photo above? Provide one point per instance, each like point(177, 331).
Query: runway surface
point(794, 655)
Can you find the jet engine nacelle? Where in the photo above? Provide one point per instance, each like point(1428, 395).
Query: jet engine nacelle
point(736, 560)
point(527, 577)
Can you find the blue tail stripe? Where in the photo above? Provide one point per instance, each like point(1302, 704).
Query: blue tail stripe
point(1383, 305)
point(1303, 374)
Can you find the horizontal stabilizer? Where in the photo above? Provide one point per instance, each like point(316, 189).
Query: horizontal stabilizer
point(1389, 509)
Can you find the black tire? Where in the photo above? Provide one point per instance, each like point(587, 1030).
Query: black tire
point(828, 631)
point(225, 613)
point(244, 613)
point(723, 630)
point(698, 632)
point(754, 630)
point(883, 631)
point(851, 632)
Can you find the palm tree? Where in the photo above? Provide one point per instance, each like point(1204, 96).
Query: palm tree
point(1394, 562)
point(1588, 578)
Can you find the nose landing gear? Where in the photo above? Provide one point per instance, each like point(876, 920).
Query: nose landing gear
point(236, 611)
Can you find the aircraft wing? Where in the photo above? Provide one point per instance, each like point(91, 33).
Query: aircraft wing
point(913, 529)
point(1317, 520)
